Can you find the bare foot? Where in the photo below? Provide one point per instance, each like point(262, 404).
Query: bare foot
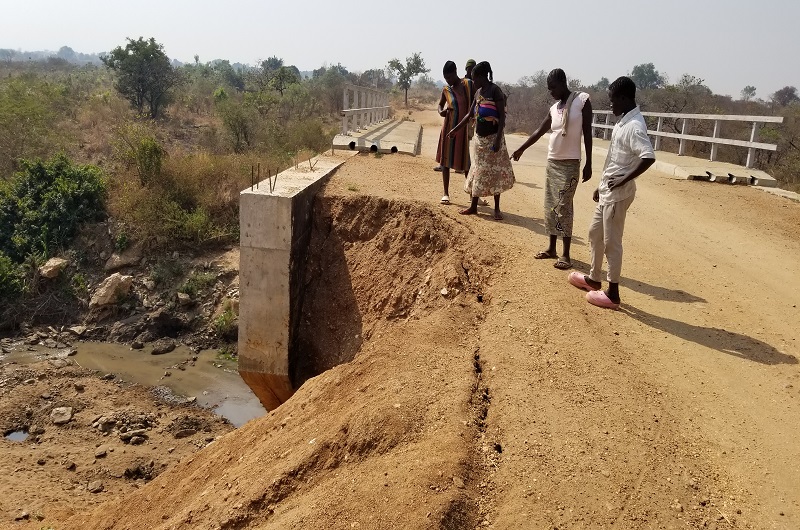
point(498, 216)
point(469, 211)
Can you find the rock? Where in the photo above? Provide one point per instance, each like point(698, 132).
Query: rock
point(53, 267)
point(163, 323)
point(95, 487)
point(22, 516)
point(111, 290)
point(137, 440)
point(41, 461)
point(100, 452)
point(106, 424)
point(184, 299)
point(36, 430)
point(458, 482)
point(78, 387)
point(129, 257)
point(50, 343)
point(69, 465)
point(185, 433)
point(162, 346)
point(175, 255)
point(149, 285)
point(78, 330)
point(137, 345)
point(126, 436)
point(444, 291)
point(61, 415)
point(108, 377)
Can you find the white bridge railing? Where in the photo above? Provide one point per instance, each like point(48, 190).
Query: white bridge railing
point(715, 140)
point(362, 107)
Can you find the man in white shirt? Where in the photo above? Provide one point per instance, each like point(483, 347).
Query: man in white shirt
point(629, 155)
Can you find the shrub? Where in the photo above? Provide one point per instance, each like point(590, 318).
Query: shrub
point(197, 282)
point(225, 324)
point(136, 146)
point(43, 205)
point(11, 282)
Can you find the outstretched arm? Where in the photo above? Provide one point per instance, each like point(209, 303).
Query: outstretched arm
point(463, 121)
point(587, 139)
point(532, 139)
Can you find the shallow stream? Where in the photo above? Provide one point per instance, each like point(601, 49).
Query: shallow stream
point(213, 381)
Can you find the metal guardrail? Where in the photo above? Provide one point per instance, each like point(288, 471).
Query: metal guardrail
point(683, 137)
point(362, 107)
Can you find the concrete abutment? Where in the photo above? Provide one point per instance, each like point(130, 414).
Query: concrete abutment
point(275, 228)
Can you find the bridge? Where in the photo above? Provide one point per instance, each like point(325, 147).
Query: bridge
point(276, 224)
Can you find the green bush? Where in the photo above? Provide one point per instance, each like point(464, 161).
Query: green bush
point(197, 282)
point(11, 281)
point(225, 324)
point(41, 208)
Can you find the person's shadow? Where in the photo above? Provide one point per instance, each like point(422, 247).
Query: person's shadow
point(534, 225)
point(718, 339)
point(661, 293)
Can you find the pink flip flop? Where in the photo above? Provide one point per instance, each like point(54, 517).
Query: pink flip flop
point(600, 299)
point(577, 279)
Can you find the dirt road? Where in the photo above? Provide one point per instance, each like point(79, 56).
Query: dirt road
point(486, 393)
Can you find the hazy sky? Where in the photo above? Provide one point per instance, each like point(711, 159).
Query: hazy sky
point(729, 43)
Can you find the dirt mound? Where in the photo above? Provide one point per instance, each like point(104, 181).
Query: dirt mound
point(390, 439)
point(373, 261)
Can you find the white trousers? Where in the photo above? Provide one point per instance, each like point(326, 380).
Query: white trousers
point(605, 238)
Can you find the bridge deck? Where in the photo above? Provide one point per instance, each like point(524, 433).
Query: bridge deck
point(390, 136)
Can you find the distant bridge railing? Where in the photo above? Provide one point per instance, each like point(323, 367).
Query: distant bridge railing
point(362, 107)
point(715, 140)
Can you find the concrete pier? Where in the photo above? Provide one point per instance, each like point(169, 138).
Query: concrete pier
point(275, 228)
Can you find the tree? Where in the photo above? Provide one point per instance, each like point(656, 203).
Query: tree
point(283, 77)
point(144, 74)
point(375, 78)
point(646, 76)
point(748, 93)
point(414, 66)
point(601, 85)
point(785, 96)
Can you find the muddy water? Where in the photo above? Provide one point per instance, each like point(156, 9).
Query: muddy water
point(214, 382)
point(17, 436)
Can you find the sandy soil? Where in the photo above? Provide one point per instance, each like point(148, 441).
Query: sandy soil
point(66, 467)
point(484, 392)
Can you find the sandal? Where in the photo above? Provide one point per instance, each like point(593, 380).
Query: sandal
point(445, 199)
point(545, 254)
point(562, 264)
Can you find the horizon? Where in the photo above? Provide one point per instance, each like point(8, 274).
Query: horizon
point(703, 44)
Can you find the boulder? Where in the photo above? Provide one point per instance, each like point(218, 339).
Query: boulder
point(111, 290)
point(61, 415)
point(53, 267)
point(162, 346)
point(129, 257)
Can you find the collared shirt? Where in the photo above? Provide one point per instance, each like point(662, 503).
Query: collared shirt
point(629, 143)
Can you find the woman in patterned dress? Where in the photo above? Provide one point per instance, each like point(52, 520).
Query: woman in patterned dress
point(491, 172)
point(453, 151)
